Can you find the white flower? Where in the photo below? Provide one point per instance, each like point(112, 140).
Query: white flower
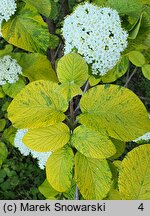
point(7, 9)
point(42, 157)
point(9, 70)
point(96, 34)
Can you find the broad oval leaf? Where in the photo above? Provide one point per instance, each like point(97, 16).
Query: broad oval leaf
point(72, 68)
point(48, 138)
point(93, 177)
point(116, 109)
point(137, 58)
point(59, 169)
point(37, 105)
point(134, 178)
point(27, 30)
point(43, 6)
point(146, 71)
point(46, 189)
point(35, 66)
point(92, 143)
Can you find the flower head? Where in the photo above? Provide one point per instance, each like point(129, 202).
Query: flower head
point(97, 35)
point(42, 157)
point(7, 9)
point(9, 70)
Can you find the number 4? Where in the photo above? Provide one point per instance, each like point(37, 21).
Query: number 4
point(141, 207)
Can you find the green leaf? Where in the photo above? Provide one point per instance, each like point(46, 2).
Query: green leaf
point(70, 194)
point(136, 58)
point(118, 71)
point(9, 135)
point(59, 169)
point(43, 6)
point(6, 51)
point(3, 152)
point(13, 89)
point(135, 28)
point(94, 80)
point(27, 30)
point(2, 124)
point(146, 71)
point(120, 147)
point(2, 94)
point(36, 66)
point(114, 195)
point(134, 178)
point(46, 189)
point(49, 138)
point(92, 143)
point(116, 109)
point(37, 105)
point(93, 177)
point(72, 68)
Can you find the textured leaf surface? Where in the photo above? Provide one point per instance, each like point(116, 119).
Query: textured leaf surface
point(134, 178)
point(136, 58)
point(146, 71)
point(120, 147)
point(27, 30)
point(13, 89)
point(115, 109)
point(72, 68)
point(46, 189)
point(59, 169)
point(49, 138)
point(37, 105)
point(92, 143)
point(3, 152)
point(118, 71)
point(2, 124)
point(43, 6)
point(36, 66)
point(92, 176)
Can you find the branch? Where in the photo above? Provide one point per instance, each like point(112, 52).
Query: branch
point(130, 77)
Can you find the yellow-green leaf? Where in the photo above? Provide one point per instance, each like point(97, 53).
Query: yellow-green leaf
point(118, 71)
point(27, 30)
point(3, 152)
point(46, 189)
point(135, 28)
point(134, 178)
point(37, 105)
point(43, 6)
point(137, 58)
point(2, 94)
point(114, 195)
point(69, 90)
point(116, 109)
point(59, 169)
point(120, 147)
point(48, 138)
point(93, 177)
point(13, 89)
point(94, 80)
point(92, 143)
point(35, 66)
point(2, 124)
point(72, 68)
point(146, 71)
point(7, 50)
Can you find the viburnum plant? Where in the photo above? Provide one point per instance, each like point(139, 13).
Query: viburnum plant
point(73, 119)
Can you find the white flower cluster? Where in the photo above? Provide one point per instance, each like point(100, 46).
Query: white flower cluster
point(7, 9)
point(42, 157)
point(97, 35)
point(9, 70)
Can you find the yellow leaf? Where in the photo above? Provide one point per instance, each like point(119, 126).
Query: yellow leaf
point(92, 143)
point(49, 138)
point(93, 177)
point(37, 105)
point(59, 169)
point(117, 110)
point(72, 68)
point(134, 178)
